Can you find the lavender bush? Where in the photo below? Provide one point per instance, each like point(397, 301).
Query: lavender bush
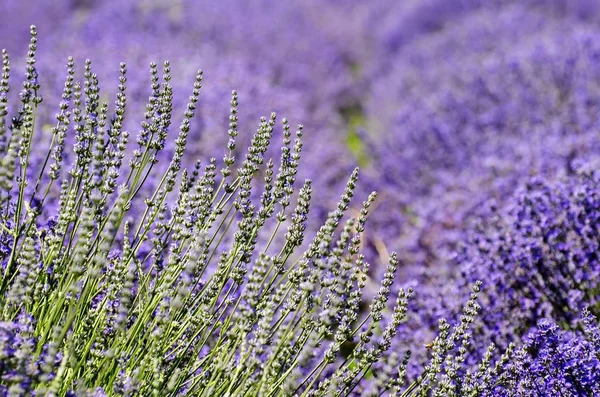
point(200, 287)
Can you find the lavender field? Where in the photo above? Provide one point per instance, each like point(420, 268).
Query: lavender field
point(300, 198)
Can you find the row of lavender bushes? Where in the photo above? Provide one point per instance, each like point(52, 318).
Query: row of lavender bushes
point(130, 269)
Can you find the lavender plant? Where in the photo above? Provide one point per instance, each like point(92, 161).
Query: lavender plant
point(553, 362)
point(124, 273)
point(541, 256)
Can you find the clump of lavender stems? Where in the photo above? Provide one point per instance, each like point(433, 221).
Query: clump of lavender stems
point(125, 273)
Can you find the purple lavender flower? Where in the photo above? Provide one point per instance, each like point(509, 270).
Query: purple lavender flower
point(539, 258)
point(552, 363)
